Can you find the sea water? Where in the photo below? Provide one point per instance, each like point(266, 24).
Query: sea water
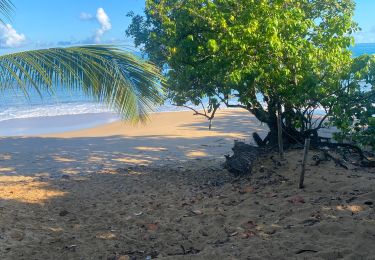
point(67, 110)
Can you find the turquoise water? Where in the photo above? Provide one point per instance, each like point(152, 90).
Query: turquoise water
point(14, 105)
point(363, 48)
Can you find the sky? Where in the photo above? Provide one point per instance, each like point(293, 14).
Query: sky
point(50, 23)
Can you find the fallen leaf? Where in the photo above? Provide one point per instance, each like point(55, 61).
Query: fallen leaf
point(123, 257)
point(249, 225)
point(245, 190)
point(17, 235)
point(296, 199)
point(248, 234)
point(270, 195)
point(152, 226)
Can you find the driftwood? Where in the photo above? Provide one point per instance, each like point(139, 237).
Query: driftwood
point(243, 158)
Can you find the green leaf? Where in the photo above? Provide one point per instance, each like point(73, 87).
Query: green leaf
point(110, 75)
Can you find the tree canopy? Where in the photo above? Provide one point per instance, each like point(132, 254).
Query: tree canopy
point(262, 55)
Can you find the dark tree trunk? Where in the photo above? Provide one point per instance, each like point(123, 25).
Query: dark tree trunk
point(290, 135)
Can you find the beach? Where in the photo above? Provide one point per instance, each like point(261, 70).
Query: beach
point(159, 190)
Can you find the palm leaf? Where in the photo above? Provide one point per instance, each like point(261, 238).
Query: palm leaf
point(108, 74)
point(6, 9)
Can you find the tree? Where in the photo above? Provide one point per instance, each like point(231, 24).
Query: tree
point(106, 73)
point(354, 113)
point(263, 56)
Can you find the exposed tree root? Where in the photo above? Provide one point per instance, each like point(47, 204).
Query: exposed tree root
point(292, 138)
point(243, 158)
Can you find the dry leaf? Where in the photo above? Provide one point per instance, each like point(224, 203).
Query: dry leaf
point(17, 235)
point(247, 189)
point(123, 257)
point(152, 226)
point(249, 225)
point(270, 195)
point(248, 234)
point(296, 199)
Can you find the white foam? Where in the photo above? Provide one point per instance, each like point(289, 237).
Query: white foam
point(62, 109)
point(78, 108)
point(21, 112)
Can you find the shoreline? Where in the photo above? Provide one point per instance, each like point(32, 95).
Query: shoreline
point(167, 124)
point(165, 138)
point(41, 125)
point(104, 123)
point(59, 124)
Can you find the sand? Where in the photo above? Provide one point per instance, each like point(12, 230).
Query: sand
point(127, 192)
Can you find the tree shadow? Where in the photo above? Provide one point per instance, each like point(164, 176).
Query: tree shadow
point(66, 196)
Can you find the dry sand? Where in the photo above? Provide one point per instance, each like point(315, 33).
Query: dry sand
point(128, 192)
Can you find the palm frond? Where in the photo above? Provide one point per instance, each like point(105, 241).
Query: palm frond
point(108, 74)
point(6, 10)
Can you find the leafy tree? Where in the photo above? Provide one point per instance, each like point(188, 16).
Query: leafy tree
point(106, 73)
point(264, 56)
point(354, 113)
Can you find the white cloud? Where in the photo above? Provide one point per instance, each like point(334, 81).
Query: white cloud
point(9, 37)
point(85, 16)
point(105, 24)
point(364, 37)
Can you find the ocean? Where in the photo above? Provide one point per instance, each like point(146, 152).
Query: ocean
point(21, 116)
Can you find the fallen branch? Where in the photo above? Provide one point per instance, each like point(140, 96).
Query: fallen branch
point(337, 161)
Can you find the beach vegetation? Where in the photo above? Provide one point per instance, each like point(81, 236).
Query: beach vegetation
point(265, 56)
point(354, 113)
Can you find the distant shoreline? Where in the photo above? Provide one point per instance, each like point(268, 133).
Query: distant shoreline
point(59, 124)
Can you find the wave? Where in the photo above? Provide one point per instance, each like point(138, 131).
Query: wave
point(43, 110)
point(63, 109)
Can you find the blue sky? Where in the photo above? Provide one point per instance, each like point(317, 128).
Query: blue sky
point(47, 23)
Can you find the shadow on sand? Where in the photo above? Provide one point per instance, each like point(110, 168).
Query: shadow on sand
point(63, 196)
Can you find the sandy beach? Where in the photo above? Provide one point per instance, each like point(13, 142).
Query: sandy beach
point(121, 191)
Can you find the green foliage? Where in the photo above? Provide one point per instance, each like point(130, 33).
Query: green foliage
point(109, 74)
point(106, 73)
point(354, 113)
point(291, 53)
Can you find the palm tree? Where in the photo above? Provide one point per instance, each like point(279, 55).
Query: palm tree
point(107, 73)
